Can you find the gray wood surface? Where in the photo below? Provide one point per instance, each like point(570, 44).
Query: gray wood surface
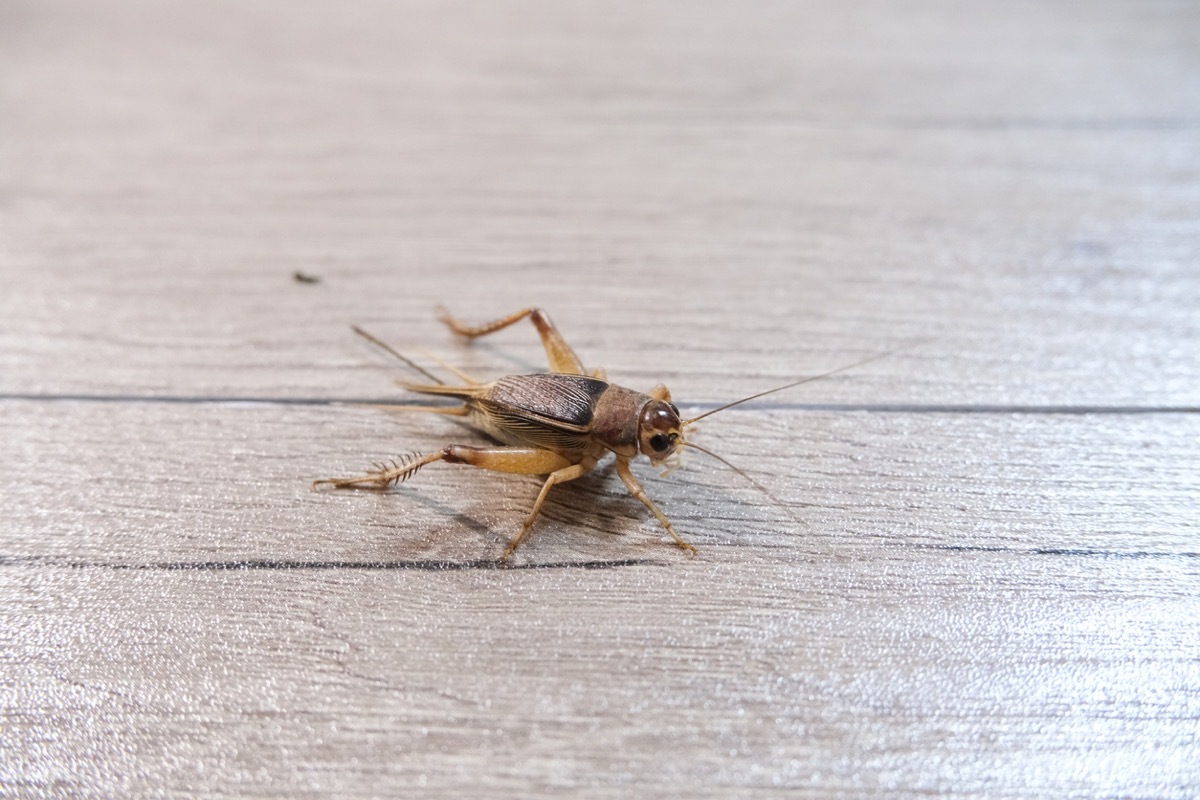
point(977, 573)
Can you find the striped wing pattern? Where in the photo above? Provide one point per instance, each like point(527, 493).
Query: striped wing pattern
point(547, 410)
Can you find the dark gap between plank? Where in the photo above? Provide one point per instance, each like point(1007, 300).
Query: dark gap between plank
point(883, 408)
point(285, 564)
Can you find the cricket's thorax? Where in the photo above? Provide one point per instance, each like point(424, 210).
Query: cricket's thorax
point(616, 421)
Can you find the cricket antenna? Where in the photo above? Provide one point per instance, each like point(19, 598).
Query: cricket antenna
point(809, 379)
point(739, 471)
point(405, 359)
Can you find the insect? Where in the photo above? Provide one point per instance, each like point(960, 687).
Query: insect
point(559, 423)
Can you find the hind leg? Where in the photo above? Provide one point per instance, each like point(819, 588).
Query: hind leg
point(560, 355)
point(514, 460)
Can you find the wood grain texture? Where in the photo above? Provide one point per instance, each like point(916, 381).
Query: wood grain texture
point(977, 572)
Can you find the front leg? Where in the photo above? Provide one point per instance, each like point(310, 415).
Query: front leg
point(635, 489)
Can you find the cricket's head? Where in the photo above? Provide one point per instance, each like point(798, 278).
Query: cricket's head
point(660, 430)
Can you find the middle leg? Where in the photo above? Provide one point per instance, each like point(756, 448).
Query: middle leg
point(525, 461)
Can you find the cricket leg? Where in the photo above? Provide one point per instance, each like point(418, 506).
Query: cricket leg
point(523, 461)
point(635, 489)
point(560, 355)
point(384, 475)
point(558, 476)
point(515, 460)
point(520, 460)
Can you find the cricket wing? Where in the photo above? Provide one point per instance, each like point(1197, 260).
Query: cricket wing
point(525, 430)
point(564, 401)
point(549, 410)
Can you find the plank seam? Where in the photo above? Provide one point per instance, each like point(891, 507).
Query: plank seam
point(881, 408)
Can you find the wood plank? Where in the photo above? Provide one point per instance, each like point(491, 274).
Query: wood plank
point(183, 612)
point(188, 615)
point(148, 482)
point(960, 673)
point(961, 583)
point(1040, 234)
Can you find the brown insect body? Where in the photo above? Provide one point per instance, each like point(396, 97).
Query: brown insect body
point(558, 424)
point(569, 414)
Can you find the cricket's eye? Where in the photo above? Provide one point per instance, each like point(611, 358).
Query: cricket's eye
point(660, 442)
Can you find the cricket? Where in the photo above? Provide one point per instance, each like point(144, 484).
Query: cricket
point(560, 423)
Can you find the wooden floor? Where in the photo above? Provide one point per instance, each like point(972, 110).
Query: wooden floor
point(975, 571)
